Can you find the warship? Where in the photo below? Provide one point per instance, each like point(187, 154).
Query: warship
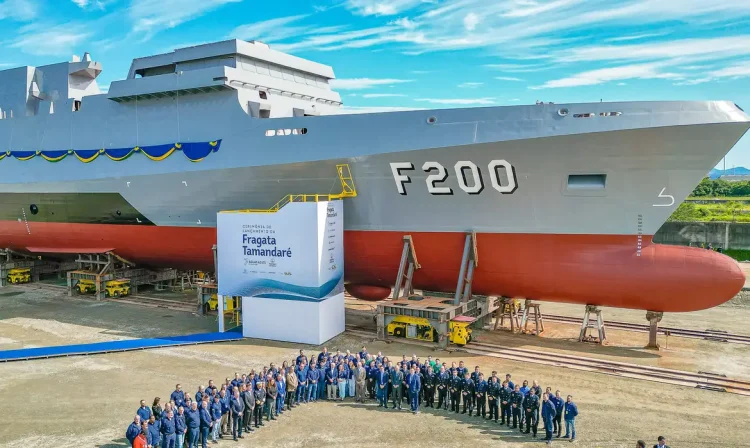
point(563, 198)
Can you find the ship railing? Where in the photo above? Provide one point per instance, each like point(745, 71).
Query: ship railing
point(348, 190)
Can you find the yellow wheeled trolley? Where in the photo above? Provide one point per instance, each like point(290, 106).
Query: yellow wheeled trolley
point(419, 328)
point(19, 275)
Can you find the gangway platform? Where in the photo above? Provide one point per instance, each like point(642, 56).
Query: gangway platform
point(97, 348)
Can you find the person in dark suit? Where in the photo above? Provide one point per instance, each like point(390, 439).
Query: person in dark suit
point(661, 442)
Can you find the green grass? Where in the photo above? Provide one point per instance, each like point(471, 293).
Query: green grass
point(725, 211)
point(724, 198)
point(738, 254)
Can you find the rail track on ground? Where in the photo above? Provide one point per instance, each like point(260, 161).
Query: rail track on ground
point(709, 335)
point(701, 380)
point(135, 299)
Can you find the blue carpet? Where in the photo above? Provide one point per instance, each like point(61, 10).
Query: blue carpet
point(26, 354)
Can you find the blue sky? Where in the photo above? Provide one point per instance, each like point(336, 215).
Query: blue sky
point(392, 54)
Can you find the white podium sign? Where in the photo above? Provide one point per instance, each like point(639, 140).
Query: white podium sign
point(288, 267)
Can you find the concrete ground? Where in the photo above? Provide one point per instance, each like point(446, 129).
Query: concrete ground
point(89, 401)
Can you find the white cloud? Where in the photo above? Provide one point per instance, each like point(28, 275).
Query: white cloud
point(382, 95)
point(458, 101)
point(634, 37)
point(420, 72)
point(269, 30)
point(19, 10)
point(593, 77)
point(471, 21)
point(404, 22)
point(530, 9)
point(381, 7)
point(685, 49)
point(470, 85)
point(363, 83)
point(43, 40)
point(622, 83)
point(508, 78)
point(518, 68)
point(81, 3)
point(151, 16)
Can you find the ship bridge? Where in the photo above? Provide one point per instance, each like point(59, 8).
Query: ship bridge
point(272, 83)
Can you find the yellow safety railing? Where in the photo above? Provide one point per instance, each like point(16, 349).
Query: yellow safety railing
point(348, 190)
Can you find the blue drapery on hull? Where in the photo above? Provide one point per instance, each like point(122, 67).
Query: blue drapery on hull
point(194, 151)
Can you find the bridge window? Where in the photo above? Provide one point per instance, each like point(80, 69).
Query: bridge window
point(587, 181)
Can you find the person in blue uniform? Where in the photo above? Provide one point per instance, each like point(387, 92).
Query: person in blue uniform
point(154, 431)
point(341, 377)
point(301, 358)
point(414, 385)
point(430, 381)
point(133, 429)
point(548, 416)
point(381, 382)
point(178, 396)
point(193, 422)
point(168, 431)
point(199, 395)
point(516, 404)
point(215, 410)
point(481, 395)
point(180, 427)
point(237, 406)
point(455, 391)
point(301, 371)
point(505, 395)
point(280, 393)
point(144, 412)
point(397, 386)
point(443, 383)
point(559, 403)
point(531, 408)
point(468, 389)
point(571, 412)
point(493, 398)
point(313, 377)
point(205, 423)
point(331, 380)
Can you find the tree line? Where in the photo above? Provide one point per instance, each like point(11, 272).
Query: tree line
point(712, 188)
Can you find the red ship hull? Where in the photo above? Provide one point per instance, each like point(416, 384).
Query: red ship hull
point(585, 269)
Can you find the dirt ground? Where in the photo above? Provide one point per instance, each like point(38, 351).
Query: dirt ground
point(89, 401)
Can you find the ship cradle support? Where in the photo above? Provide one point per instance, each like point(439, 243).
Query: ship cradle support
point(101, 268)
point(438, 311)
point(11, 260)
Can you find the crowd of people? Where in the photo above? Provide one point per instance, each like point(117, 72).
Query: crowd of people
point(241, 404)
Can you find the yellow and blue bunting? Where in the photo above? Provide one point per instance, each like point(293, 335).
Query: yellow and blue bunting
point(195, 152)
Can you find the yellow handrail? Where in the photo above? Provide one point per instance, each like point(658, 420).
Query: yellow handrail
point(348, 190)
